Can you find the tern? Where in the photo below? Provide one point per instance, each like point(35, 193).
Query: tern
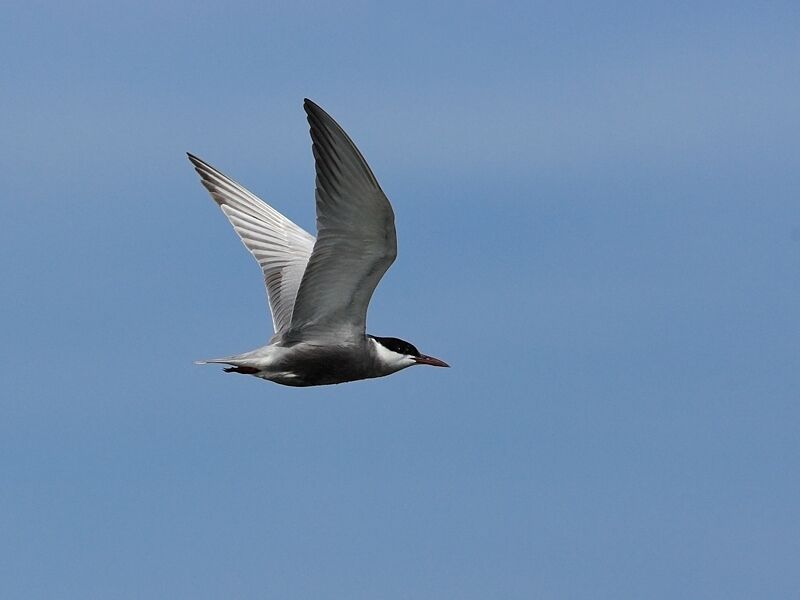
point(319, 289)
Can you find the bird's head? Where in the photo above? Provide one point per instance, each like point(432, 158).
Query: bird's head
point(395, 354)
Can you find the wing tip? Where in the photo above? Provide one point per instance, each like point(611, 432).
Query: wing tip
point(314, 110)
point(196, 161)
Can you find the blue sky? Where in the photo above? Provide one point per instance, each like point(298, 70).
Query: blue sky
point(599, 228)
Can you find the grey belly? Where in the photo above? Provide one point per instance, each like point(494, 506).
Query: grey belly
point(322, 366)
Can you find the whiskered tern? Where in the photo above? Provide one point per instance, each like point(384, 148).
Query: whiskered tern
point(319, 289)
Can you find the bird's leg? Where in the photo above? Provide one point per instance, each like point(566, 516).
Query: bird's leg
point(242, 370)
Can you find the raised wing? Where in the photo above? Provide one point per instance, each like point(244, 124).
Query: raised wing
point(281, 248)
point(356, 241)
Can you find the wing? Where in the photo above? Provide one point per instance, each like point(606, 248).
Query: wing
point(356, 241)
point(281, 248)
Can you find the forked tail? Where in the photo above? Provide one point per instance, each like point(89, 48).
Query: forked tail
point(236, 363)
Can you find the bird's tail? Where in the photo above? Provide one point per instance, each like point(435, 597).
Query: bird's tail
point(240, 363)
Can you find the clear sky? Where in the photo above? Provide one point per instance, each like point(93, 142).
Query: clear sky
point(598, 211)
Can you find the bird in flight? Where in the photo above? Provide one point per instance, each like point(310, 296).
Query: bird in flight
point(319, 289)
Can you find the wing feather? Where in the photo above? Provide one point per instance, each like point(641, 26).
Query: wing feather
point(356, 240)
point(281, 248)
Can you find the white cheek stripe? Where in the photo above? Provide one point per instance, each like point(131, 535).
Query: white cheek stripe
point(389, 357)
